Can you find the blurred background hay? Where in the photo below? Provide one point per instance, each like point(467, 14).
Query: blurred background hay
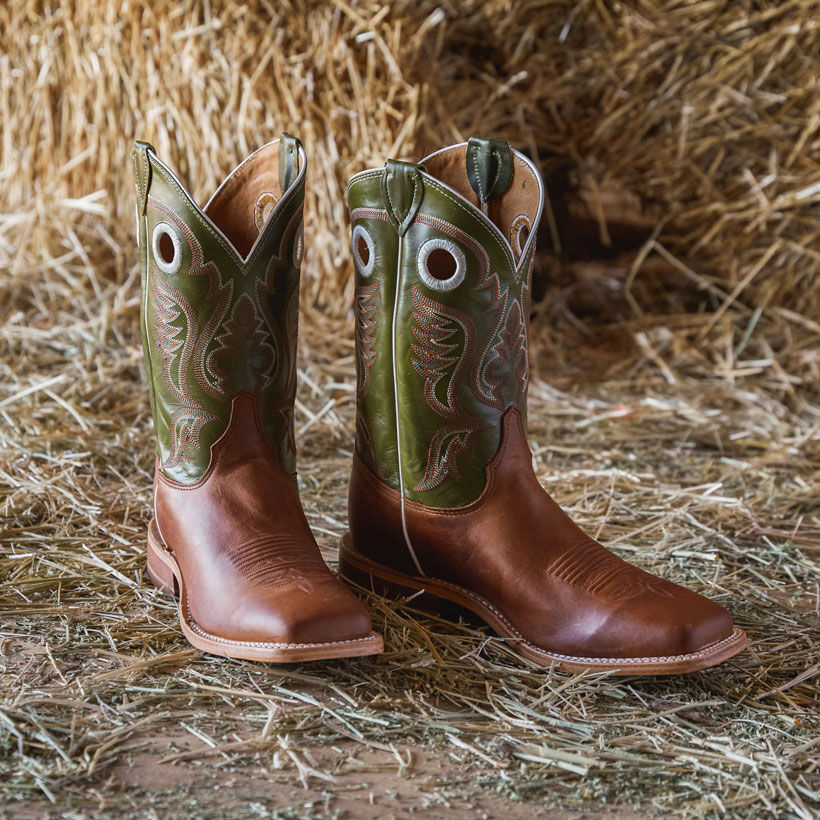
point(675, 410)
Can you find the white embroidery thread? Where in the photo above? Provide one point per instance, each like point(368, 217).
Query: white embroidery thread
point(447, 245)
point(364, 268)
point(516, 230)
point(164, 229)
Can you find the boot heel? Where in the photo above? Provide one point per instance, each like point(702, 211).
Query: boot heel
point(159, 572)
point(354, 568)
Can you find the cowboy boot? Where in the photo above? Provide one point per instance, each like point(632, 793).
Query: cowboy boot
point(220, 289)
point(443, 495)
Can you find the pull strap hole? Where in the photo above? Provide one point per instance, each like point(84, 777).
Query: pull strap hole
point(441, 264)
point(364, 251)
point(167, 248)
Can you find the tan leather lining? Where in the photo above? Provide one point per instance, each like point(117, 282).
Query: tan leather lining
point(450, 167)
point(233, 207)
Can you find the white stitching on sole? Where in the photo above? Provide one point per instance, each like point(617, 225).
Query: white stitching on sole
point(195, 627)
point(516, 635)
point(189, 621)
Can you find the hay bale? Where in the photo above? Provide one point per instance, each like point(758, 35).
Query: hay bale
point(701, 117)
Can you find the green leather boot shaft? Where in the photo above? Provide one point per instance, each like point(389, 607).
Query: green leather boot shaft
point(441, 305)
point(215, 324)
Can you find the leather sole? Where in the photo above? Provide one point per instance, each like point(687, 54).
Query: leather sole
point(394, 584)
point(164, 572)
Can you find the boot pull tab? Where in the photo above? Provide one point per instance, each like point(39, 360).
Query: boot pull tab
point(288, 160)
point(142, 173)
point(402, 191)
point(489, 168)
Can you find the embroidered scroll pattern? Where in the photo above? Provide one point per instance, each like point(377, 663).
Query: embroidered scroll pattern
point(366, 300)
point(507, 308)
point(443, 350)
point(238, 348)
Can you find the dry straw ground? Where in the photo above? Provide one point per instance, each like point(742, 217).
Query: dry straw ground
point(674, 411)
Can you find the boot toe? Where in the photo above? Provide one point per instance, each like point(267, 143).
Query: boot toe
point(683, 624)
point(338, 617)
point(327, 612)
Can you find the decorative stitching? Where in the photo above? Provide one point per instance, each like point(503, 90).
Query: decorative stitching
point(222, 294)
point(245, 264)
point(520, 222)
point(461, 204)
point(509, 356)
point(474, 213)
point(299, 244)
point(500, 375)
point(423, 584)
point(368, 213)
point(376, 172)
point(186, 422)
point(169, 180)
point(245, 321)
point(437, 355)
point(263, 237)
point(487, 384)
point(272, 561)
point(262, 201)
point(195, 627)
point(452, 281)
point(366, 301)
point(219, 446)
point(591, 567)
point(364, 268)
point(164, 229)
point(243, 349)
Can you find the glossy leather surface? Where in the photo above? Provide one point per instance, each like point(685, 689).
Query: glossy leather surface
point(442, 485)
point(224, 320)
point(459, 354)
point(516, 548)
point(252, 569)
point(489, 167)
point(219, 315)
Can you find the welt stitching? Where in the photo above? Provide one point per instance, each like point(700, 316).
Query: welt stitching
point(263, 644)
point(519, 636)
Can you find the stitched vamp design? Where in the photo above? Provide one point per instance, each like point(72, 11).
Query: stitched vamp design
point(597, 571)
point(278, 560)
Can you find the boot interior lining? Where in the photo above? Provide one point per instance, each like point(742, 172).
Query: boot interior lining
point(243, 202)
point(514, 214)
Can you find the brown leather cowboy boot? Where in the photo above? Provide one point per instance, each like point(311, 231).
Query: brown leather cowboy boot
point(443, 496)
point(220, 289)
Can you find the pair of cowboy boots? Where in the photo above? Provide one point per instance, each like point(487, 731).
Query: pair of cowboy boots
point(443, 497)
